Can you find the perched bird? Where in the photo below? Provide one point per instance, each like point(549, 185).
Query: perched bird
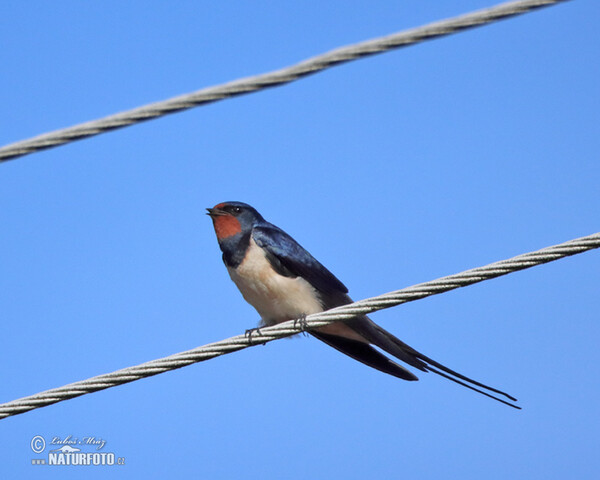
point(282, 281)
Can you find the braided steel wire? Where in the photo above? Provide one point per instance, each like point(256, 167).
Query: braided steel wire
point(293, 327)
point(272, 79)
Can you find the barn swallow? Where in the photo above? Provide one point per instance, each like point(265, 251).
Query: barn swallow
point(282, 281)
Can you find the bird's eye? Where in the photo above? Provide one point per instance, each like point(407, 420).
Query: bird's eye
point(236, 210)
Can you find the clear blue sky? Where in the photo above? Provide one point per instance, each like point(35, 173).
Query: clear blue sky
point(393, 170)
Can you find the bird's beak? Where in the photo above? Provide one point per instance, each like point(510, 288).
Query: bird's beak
point(215, 212)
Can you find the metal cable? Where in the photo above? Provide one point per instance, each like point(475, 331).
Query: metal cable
point(293, 327)
point(271, 79)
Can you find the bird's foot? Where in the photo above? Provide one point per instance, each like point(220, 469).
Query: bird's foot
point(252, 331)
point(302, 323)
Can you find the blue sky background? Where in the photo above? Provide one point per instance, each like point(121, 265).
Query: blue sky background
point(393, 170)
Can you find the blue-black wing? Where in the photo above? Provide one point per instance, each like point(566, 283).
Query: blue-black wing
point(289, 258)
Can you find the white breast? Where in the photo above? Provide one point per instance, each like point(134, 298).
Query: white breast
point(275, 297)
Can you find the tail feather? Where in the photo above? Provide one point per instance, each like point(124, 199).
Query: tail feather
point(408, 349)
point(396, 347)
point(363, 352)
point(464, 384)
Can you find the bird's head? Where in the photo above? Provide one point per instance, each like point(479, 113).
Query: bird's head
point(233, 218)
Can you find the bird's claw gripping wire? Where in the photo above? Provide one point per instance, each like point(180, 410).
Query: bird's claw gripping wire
point(252, 331)
point(301, 321)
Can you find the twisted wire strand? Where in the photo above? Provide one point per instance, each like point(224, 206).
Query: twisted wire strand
point(293, 327)
point(272, 79)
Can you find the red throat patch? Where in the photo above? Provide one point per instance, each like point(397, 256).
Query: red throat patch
point(226, 226)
